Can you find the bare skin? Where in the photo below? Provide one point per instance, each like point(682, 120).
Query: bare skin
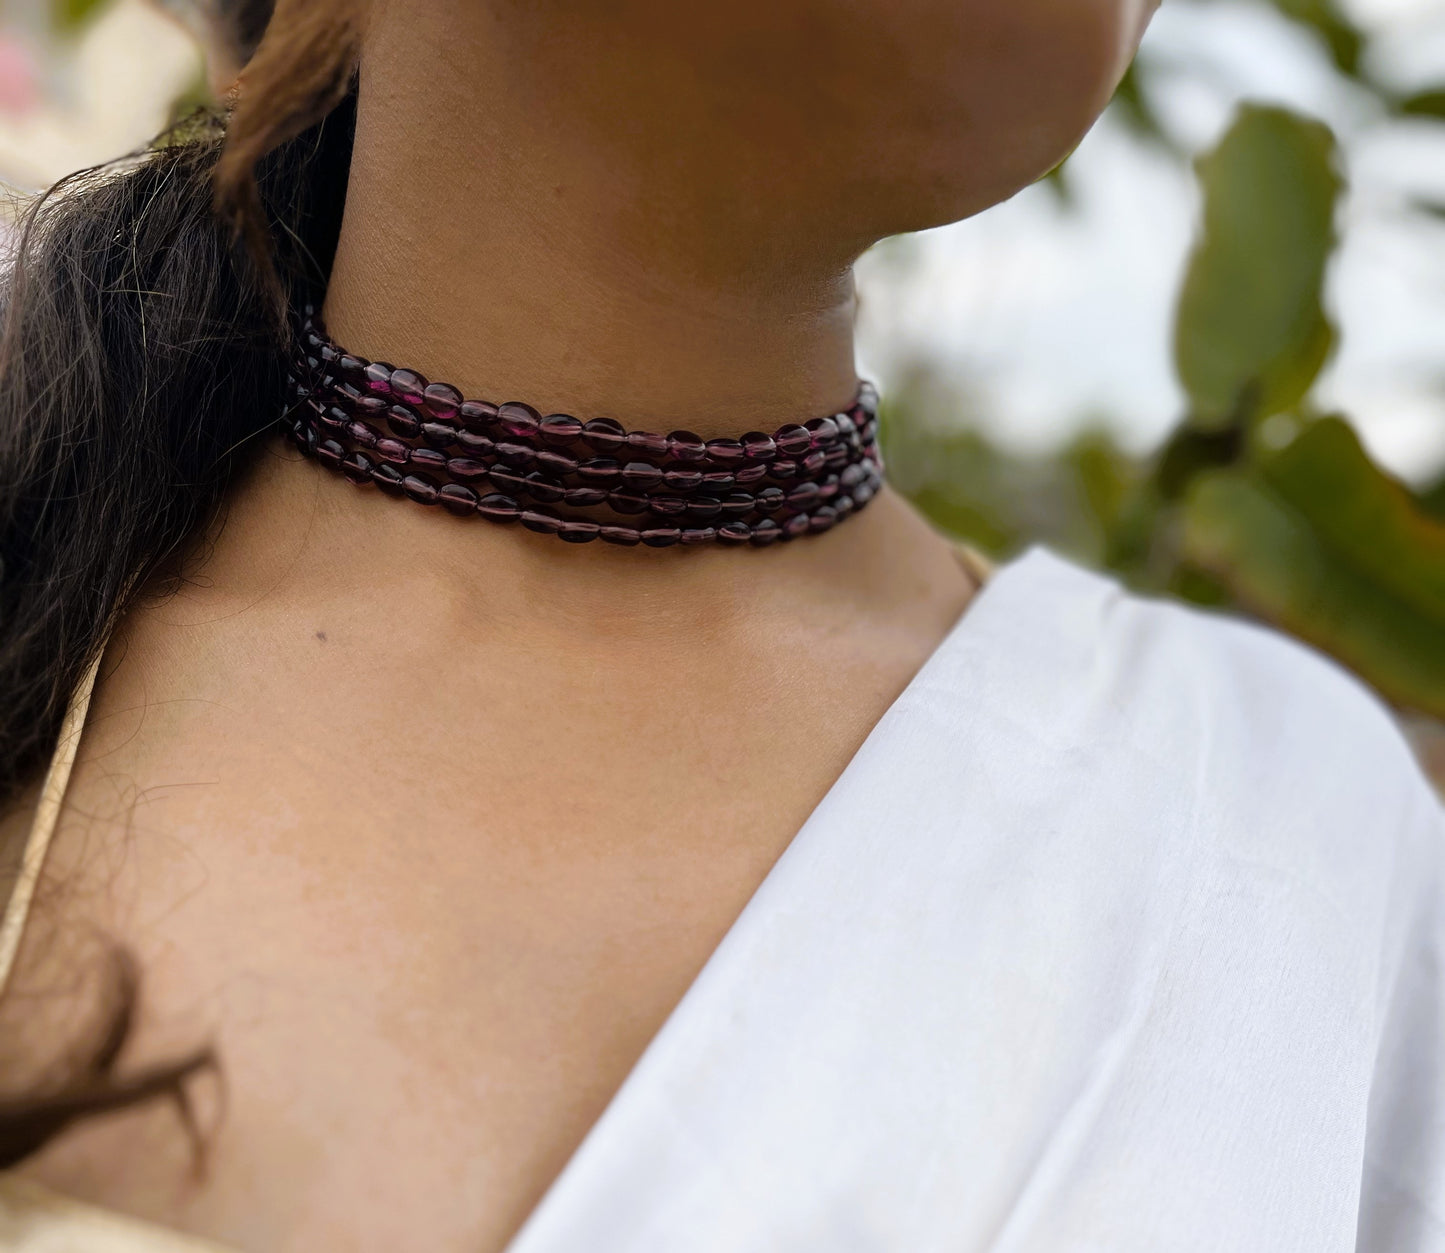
point(429, 825)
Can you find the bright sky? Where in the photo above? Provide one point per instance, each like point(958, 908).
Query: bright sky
point(1042, 317)
point(1039, 317)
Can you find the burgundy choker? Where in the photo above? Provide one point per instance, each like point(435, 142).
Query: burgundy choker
point(378, 424)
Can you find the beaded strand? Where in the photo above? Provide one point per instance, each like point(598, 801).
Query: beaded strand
point(377, 424)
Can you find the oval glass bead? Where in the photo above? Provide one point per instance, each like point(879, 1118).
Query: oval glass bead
point(599, 470)
point(751, 474)
point(640, 475)
point(725, 452)
point(716, 481)
point(539, 487)
point(627, 502)
point(758, 446)
point(457, 498)
point(771, 499)
point(387, 478)
point(378, 379)
point(403, 422)
point(803, 495)
point(556, 463)
point(351, 368)
point(661, 536)
point(357, 467)
point(477, 445)
point(330, 453)
point(507, 479)
point(682, 480)
point(515, 454)
point(604, 434)
point(585, 497)
point(334, 419)
point(408, 387)
point(393, 451)
point(783, 470)
point(442, 400)
point(440, 434)
point(362, 433)
point(428, 459)
point(467, 468)
point(823, 430)
point(560, 429)
point(420, 488)
point(828, 487)
point(795, 526)
point(823, 518)
point(813, 462)
point(499, 508)
point(734, 533)
point(578, 531)
point(648, 442)
point(843, 504)
point(518, 420)
point(851, 475)
point(623, 536)
point(738, 504)
point(543, 521)
point(704, 507)
point(667, 506)
point(836, 457)
point(685, 446)
point(477, 416)
point(764, 533)
point(692, 536)
point(793, 440)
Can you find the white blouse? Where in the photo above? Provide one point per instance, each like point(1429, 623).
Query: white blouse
point(1124, 932)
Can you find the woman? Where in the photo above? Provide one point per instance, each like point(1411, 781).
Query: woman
point(681, 887)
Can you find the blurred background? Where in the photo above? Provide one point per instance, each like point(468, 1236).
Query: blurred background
point(1207, 353)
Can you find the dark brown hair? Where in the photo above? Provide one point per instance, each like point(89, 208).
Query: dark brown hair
point(143, 345)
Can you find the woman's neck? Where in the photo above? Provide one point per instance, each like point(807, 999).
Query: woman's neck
point(492, 243)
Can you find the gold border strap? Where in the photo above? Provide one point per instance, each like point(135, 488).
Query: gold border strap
point(42, 829)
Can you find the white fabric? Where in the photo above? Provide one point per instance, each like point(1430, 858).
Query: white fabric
point(1123, 933)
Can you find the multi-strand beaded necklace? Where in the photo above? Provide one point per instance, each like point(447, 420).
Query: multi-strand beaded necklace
point(378, 424)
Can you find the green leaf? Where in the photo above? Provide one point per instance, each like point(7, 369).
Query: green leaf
point(1430, 103)
point(1320, 542)
point(68, 16)
point(1251, 334)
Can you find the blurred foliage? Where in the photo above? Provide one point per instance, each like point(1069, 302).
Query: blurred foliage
point(1258, 501)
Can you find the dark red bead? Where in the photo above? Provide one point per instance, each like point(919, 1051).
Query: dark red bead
point(843, 504)
point(585, 497)
point(540, 487)
point(518, 420)
point(403, 422)
point(334, 419)
point(868, 397)
point(783, 470)
point(507, 479)
point(648, 442)
point(771, 499)
point(694, 535)
point(793, 440)
point(440, 434)
point(457, 498)
point(795, 526)
point(515, 454)
point(499, 508)
point(362, 433)
point(764, 532)
point(667, 506)
point(466, 468)
point(428, 459)
point(738, 504)
point(388, 479)
point(408, 386)
point(704, 507)
point(733, 533)
point(556, 463)
point(477, 445)
point(682, 480)
point(357, 467)
point(640, 476)
point(543, 521)
point(600, 471)
point(378, 379)
point(751, 474)
point(352, 369)
point(330, 453)
point(560, 429)
point(442, 400)
point(837, 457)
point(823, 518)
point(725, 452)
point(758, 446)
point(477, 416)
point(661, 536)
point(577, 531)
point(828, 487)
point(392, 450)
point(803, 495)
point(823, 430)
point(623, 536)
point(685, 446)
point(627, 502)
point(813, 462)
point(420, 488)
point(604, 434)
point(718, 480)
point(851, 475)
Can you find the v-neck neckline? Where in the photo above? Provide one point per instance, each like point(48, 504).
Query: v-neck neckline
point(532, 1237)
